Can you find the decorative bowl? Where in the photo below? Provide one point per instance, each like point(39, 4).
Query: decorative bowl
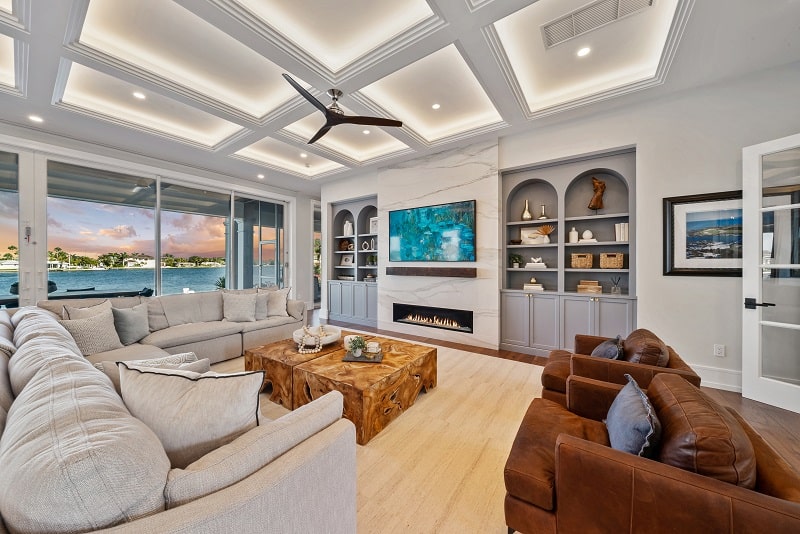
point(332, 334)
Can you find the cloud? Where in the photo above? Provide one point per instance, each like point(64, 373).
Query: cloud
point(86, 232)
point(123, 231)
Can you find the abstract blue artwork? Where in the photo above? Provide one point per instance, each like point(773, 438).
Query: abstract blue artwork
point(444, 232)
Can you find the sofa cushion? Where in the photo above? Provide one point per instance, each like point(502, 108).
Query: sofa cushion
point(31, 356)
point(135, 351)
point(191, 333)
point(57, 306)
point(530, 469)
point(31, 322)
point(131, 323)
point(277, 301)
point(76, 312)
point(94, 334)
point(187, 308)
point(698, 434)
point(610, 349)
point(191, 414)
point(7, 346)
point(239, 307)
point(73, 457)
point(643, 346)
point(251, 451)
point(632, 423)
point(156, 318)
point(267, 323)
point(261, 300)
point(186, 361)
point(556, 371)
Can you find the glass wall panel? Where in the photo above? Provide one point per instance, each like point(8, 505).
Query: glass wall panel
point(9, 228)
point(258, 244)
point(194, 230)
point(100, 230)
point(317, 255)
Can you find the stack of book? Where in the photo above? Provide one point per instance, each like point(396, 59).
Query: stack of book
point(533, 287)
point(621, 231)
point(535, 265)
point(589, 286)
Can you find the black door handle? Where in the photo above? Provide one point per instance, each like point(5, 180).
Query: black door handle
point(751, 304)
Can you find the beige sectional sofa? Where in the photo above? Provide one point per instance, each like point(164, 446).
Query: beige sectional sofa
point(195, 322)
point(75, 459)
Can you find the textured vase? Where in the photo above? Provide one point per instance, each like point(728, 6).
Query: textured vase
point(527, 215)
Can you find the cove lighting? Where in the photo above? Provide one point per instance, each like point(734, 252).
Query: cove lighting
point(435, 106)
point(584, 51)
point(35, 118)
point(140, 95)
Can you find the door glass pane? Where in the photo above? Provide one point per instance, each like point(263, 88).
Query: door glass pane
point(258, 245)
point(317, 255)
point(9, 224)
point(780, 252)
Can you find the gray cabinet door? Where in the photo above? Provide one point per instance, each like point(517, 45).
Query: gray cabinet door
point(614, 317)
point(372, 301)
point(516, 323)
point(360, 301)
point(335, 298)
point(347, 298)
point(576, 318)
point(544, 325)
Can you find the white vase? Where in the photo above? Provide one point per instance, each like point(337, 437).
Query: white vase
point(348, 228)
point(573, 235)
point(545, 239)
point(357, 353)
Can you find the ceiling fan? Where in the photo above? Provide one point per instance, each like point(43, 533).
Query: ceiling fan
point(334, 114)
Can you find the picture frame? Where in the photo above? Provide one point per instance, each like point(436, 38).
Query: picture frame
point(373, 225)
point(347, 260)
point(703, 234)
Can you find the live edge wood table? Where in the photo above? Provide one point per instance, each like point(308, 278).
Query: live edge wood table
point(374, 393)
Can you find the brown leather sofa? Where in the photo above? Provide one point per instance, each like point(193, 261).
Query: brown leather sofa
point(562, 475)
point(643, 351)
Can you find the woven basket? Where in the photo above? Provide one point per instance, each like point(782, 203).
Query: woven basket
point(611, 260)
point(581, 260)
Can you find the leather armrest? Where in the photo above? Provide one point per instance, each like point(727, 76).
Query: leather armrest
point(586, 344)
point(641, 495)
point(614, 370)
point(590, 398)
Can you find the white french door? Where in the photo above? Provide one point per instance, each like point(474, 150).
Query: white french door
point(771, 273)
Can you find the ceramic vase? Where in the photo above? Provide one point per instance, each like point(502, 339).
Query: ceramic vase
point(573, 235)
point(526, 214)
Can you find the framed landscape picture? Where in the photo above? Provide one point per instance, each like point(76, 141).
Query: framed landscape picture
point(347, 259)
point(703, 234)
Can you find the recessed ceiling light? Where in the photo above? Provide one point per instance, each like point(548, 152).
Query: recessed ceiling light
point(435, 106)
point(303, 155)
point(584, 51)
point(366, 132)
point(260, 176)
point(35, 118)
point(140, 95)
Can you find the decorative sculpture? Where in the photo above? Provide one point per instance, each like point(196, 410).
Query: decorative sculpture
point(599, 187)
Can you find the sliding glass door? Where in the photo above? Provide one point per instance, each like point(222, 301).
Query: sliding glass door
point(9, 229)
point(258, 245)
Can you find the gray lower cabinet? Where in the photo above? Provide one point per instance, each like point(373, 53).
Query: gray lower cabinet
point(596, 316)
point(530, 322)
point(353, 302)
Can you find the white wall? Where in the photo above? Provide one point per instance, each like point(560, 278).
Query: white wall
point(688, 143)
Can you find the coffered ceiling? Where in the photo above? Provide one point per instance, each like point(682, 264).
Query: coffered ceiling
point(198, 82)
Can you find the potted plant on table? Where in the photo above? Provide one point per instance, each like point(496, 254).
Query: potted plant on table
point(357, 346)
point(515, 260)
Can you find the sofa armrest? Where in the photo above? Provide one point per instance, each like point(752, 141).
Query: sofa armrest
point(590, 398)
point(586, 344)
point(297, 309)
point(641, 495)
point(614, 371)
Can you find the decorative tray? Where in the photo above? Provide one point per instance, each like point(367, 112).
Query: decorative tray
point(377, 357)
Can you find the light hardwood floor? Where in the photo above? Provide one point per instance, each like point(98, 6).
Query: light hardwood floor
point(439, 467)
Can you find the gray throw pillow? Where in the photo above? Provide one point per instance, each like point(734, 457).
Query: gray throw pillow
point(94, 334)
point(632, 423)
point(239, 307)
point(131, 323)
point(611, 349)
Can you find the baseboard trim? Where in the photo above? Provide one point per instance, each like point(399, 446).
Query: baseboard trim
point(719, 378)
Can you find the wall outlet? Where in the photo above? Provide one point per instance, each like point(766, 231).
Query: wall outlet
point(719, 350)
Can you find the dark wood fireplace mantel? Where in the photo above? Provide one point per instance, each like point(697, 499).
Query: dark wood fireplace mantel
point(452, 272)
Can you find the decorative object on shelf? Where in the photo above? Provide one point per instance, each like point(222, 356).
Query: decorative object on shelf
point(589, 286)
point(315, 337)
point(581, 260)
point(515, 241)
point(573, 235)
point(526, 214)
point(372, 260)
point(347, 259)
point(532, 286)
point(515, 260)
point(355, 345)
point(372, 244)
point(534, 236)
point(373, 225)
point(345, 245)
point(365, 245)
point(611, 260)
point(543, 215)
point(348, 228)
point(703, 234)
point(587, 237)
point(599, 187)
point(536, 263)
point(370, 277)
point(621, 231)
point(545, 230)
point(346, 277)
point(615, 287)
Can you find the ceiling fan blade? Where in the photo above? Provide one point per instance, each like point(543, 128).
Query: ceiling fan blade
point(305, 94)
point(369, 121)
point(322, 131)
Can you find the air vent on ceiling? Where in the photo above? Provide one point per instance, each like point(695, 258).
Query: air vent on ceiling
point(588, 18)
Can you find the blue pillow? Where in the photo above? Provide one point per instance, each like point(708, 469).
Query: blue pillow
point(632, 423)
point(611, 349)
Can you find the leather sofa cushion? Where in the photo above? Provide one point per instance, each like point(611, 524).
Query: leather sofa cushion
point(699, 435)
point(191, 333)
point(530, 469)
point(643, 346)
point(556, 371)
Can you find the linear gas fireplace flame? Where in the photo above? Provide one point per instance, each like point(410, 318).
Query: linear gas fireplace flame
point(445, 318)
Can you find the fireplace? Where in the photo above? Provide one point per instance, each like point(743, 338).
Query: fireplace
point(444, 318)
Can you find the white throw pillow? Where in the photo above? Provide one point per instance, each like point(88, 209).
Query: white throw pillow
point(276, 301)
point(239, 307)
point(94, 334)
point(186, 361)
point(191, 414)
point(74, 312)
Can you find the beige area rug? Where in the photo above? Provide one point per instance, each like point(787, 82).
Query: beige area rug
point(438, 468)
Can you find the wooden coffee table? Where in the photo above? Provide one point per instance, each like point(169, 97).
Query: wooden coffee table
point(374, 393)
point(277, 361)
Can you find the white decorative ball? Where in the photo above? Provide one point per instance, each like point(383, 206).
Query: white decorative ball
point(587, 234)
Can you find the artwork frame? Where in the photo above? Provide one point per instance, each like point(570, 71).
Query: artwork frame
point(347, 260)
point(373, 225)
point(696, 242)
